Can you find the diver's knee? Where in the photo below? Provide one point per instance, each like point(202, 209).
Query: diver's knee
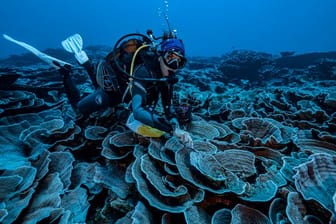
point(99, 99)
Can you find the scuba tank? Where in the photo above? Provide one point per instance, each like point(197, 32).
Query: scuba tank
point(132, 49)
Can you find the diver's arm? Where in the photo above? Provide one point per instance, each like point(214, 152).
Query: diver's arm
point(155, 121)
point(148, 118)
point(139, 102)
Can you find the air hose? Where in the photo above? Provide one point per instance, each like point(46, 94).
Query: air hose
point(134, 57)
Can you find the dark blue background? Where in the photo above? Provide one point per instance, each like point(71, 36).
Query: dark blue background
point(209, 28)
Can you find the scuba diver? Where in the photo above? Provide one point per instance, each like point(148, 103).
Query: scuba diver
point(150, 80)
point(140, 69)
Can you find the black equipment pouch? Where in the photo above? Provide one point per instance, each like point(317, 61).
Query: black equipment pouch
point(106, 77)
point(183, 113)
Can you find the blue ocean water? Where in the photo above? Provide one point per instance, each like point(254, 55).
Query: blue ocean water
point(262, 118)
point(208, 28)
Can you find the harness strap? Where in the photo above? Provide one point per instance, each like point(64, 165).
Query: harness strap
point(131, 80)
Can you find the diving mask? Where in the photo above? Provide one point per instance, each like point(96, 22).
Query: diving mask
point(174, 59)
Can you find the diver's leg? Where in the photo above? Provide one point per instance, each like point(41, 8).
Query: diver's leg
point(90, 69)
point(93, 102)
point(97, 100)
point(69, 86)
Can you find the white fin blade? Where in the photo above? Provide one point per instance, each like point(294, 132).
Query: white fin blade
point(55, 62)
point(73, 44)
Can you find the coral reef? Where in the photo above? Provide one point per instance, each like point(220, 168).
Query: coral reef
point(264, 132)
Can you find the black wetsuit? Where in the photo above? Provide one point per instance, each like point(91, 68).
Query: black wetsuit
point(145, 95)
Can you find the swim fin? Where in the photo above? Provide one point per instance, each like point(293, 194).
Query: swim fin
point(56, 63)
point(74, 44)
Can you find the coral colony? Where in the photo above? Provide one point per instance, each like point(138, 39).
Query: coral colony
point(264, 132)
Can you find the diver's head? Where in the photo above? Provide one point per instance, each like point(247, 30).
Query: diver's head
point(173, 53)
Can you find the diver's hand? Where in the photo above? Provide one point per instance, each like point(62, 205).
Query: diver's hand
point(184, 137)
